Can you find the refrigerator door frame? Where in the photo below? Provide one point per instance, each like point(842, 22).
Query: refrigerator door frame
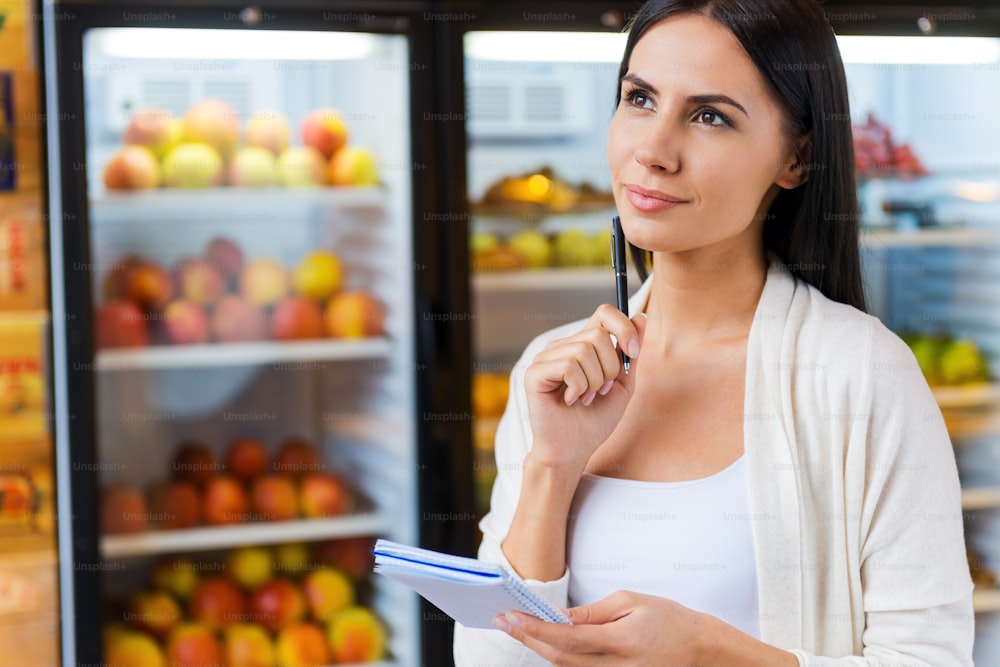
point(441, 378)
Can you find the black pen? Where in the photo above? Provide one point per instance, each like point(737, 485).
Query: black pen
point(621, 276)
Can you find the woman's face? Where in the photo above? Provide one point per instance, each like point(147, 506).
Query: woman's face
point(696, 147)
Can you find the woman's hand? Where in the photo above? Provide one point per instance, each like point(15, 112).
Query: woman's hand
point(577, 389)
point(625, 628)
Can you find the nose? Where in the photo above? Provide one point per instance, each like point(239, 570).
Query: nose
point(659, 150)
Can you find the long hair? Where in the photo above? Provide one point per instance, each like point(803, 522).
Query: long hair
point(812, 229)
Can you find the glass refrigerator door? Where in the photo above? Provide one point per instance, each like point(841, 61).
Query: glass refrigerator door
point(248, 260)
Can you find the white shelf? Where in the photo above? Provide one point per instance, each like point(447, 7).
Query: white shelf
point(980, 498)
point(958, 236)
point(207, 538)
point(241, 354)
point(166, 200)
point(985, 600)
point(528, 280)
point(968, 396)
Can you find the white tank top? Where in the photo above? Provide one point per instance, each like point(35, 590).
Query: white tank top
point(689, 541)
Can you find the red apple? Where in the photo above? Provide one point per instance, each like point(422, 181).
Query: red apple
point(174, 505)
point(155, 612)
point(353, 315)
point(217, 602)
point(223, 254)
point(274, 498)
point(133, 167)
point(296, 318)
point(296, 456)
point(268, 130)
point(324, 494)
point(352, 555)
point(193, 645)
point(195, 463)
point(121, 324)
point(113, 284)
point(324, 130)
point(302, 645)
point(277, 604)
point(215, 123)
point(123, 510)
point(236, 320)
point(246, 458)
point(148, 286)
point(225, 501)
point(186, 322)
point(248, 645)
point(154, 128)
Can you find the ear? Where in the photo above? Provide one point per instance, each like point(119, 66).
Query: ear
point(795, 171)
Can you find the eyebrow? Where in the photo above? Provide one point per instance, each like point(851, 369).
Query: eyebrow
point(710, 98)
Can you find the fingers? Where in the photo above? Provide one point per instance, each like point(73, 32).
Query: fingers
point(605, 610)
point(560, 644)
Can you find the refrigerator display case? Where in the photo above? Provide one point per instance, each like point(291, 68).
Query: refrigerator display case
point(251, 342)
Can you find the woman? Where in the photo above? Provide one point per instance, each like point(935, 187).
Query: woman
point(772, 483)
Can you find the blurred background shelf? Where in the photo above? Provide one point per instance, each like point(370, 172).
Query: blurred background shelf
point(986, 600)
point(168, 200)
point(968, 396)
point(240, 354)
point(957, 236)
point(980, 498)
point(207, 538)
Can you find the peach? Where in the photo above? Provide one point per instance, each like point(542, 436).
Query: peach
point(292, 557)
point(352, 555)
point(121, 324)
point(296, 318)
point(248, 645)
point(301, 166)
point(225, 501)
point(213, 122)
point(274, 498)
point(177, 575)
point(132, 167)
point(217, 602)
point(250, 566)
point(175, 505)
point(226, 256)
point(193, 645)
point(236, 319)
point(123, 510)
point(154, 128)
point(246, 458)
point(148, 286)
point(319, 275)
point(296, 456)
point(252, 167)
point(355, 634)
point(302, 645)
point(185, 322)
point(324, 494)
point(353, 315)
point(264, 281)
point(134, 649)
point(156, 612)
point(192, 166)
point(277, 604)
point(324, 130)
point(352, 165)
point(268, 130)
point(195, 463)
point(201, 282)
point(327, 592)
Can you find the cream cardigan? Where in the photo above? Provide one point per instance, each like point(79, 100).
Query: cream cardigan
point(854, 493)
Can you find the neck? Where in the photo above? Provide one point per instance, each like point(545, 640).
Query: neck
point(701, 297)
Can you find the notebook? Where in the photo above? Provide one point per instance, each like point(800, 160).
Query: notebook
point(470, 591)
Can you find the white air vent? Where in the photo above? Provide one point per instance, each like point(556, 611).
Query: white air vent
point(505, 105)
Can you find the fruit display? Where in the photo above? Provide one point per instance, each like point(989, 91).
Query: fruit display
point(540, 192)
point(877, 155)
point(571, 247)
point(946, 360)
point(223, 297)
point(207, 147)
point(246, 485)
point(489, 398)
point(250, 607)
point(489, 394)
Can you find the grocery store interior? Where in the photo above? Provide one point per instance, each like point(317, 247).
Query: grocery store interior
point(230, 382)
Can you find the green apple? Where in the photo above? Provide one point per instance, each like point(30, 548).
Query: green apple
point(533, 246)
point(572, 247)
point(961, 361)
point(926, 350)
point(600, 249)
point(483, 241)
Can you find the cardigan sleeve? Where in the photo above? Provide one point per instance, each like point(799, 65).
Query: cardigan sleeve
point(916, 585)
point(513, 440)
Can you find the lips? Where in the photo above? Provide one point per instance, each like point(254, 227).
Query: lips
point(648, 200)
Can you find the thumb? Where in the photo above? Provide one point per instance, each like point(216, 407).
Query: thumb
point(604, 610)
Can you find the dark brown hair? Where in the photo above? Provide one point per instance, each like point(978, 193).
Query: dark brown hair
point(812, 229)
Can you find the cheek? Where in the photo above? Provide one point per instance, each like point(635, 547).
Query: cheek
point(618, 148)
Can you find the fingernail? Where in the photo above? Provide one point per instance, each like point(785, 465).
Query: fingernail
point(515, 620)
point(606, 387)
point(500, 623)
point(569, 403)
point(633, 348)
point(589, 398)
